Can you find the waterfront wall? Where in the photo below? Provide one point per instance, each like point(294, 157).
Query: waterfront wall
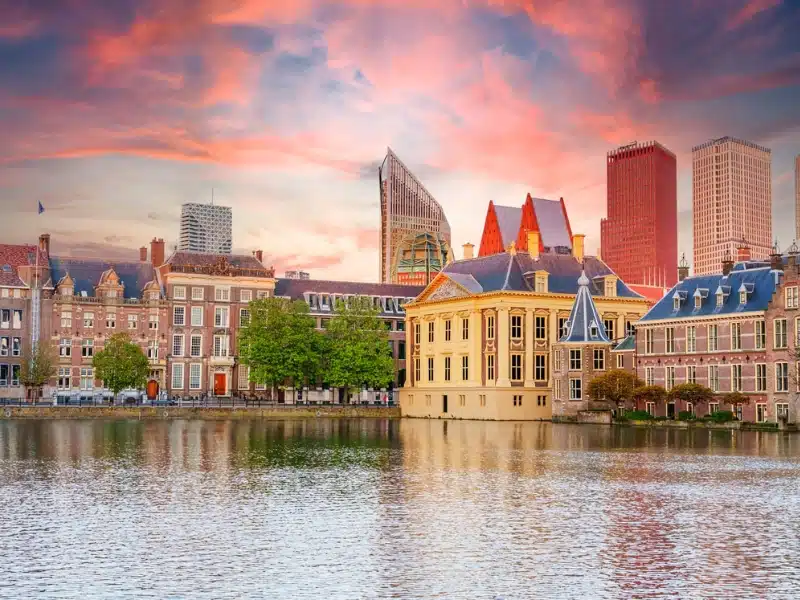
point(210, 414)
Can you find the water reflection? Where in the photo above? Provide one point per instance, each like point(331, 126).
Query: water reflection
point(370, 508)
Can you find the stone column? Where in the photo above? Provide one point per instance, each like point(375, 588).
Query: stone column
point(475, 347)
point(529, 354)
point(503, 373)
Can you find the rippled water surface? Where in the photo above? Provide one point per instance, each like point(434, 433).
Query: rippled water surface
point(395, 509)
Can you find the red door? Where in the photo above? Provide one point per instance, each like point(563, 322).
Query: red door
point(152, 389)
point(219, 384)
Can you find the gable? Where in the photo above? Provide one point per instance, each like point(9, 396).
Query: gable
point(443, 288)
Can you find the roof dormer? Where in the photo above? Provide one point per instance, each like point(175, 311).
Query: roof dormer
point(678, 298)
point(722, 293)
point(66, 286)
point(745, 290)
point(699, 295)
point(541, 280)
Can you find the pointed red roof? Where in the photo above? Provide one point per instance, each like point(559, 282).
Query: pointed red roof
point(491, 239)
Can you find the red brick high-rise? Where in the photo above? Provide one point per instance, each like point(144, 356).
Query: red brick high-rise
point(639, 236)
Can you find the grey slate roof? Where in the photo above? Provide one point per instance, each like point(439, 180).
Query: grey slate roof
point(297, 289)
point(552, 223)
point(584, 325)
point(86, 274)
point(509, 218)
point(629, 343)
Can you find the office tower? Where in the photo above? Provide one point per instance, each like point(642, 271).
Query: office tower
point(797, 196)
point(639, 236)
point(415, 235)
point(205, 228)
point(731, 201)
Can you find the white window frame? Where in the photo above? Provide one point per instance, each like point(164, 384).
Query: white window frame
point(133, 321)
point(669, 377)
point(177, 368)
point(198, 293)
point(736, 336)
point(669, 340)
point(245, 296)
point(179, 310)
point(691, 339)
point(761, 334)
point(713, 377)
point(599, 358)
point(736, 378)
point(222, 294)
point(713, 338)
point(575, 359)
point(781, 376)
point(182, 347)
point(780, 338)
point(219, 311)
point(179, 292)
point(88, 320)
point(575, 388)
point(761, 377)
point(195, 376)
point(196, 311)
point(192, 338)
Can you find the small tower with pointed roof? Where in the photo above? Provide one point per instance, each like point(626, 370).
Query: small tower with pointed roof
point(582, 352)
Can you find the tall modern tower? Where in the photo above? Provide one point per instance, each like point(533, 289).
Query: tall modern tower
point(797, 196)
point(639, 236)
point(415, 234)
point(206, 228)
point(731, 201)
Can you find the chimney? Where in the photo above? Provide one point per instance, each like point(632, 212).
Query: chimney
point(259, 254)
point(683, 268)
point(44, 244)
point(727, 263)
point(143, 254)
point(157, 252)
point(469, 251)
point(742, 252)
point(775, 258)
point(533, 243)
point(577, 246)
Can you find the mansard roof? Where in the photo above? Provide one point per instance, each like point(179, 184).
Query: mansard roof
point(584, 325)
point(298, 289)
point(760, 279)
point(14, 256)
point(627, 344)
point(514, 271)
point(88, 273)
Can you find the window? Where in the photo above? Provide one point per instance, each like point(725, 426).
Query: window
point(244, 318)
point(196, 345)
point(16, 346)
point(88, 320)
point(791, 297)
point(720, 299)
point(4, 346)
point(650, 407)
point(713, 378)
point(64, 378)
point(416, 333)
point(670, 333)
point(691, 339)
point(649, 377)
point(490, 328)
point(262, 294)
point(557, 389)
point(516, 367)
point(221, 345)
point(133, 321)
point(401, 325)
point(629, 328)
point(65, 347)
point(417, 373)
point(761, 378)
point(648, 341)
point(517, 400)
point(540, 284)
point(111, 320)
point(781, 377)
point(66, 319)
point(712, 338)
point(401, 350)
point(540, 367)
point(482, 400)
point(743, 297)
point(87, 378)
point(4, 375)
point(465, 368)
point(197, 316)
point(780, 333)
point(221, 316)
point(736, 336)
point(447, 330)
point(464, 328)
point(562, 326)
point(736, 378)
point(198, 293)
point(179, 315)
point(152, 350)
point(540, 327)
point(797, 331)
point(490, 367)
point(557, 360)
point(194, 376)
point(781, 411)
point(698, 302)
point(430, 369)
point(670, 378)
point(177, 345)
point(244, 377)
point(610, 326)
point(447, 368)
point(599, 359)
point(430, 332)
point(676, 303)
point(87, 348)
point(713, 407)
point(462, 400)
point(245, 295)
point(179, 292)
point(153, 322)
point(575, 360)
point(575, 389)
point(691, 374)
point(5, 318)
point(516, 327)
point(620, 361)
point(222, 294)
point(177, 376)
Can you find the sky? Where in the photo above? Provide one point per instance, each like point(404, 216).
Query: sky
point(113, 114)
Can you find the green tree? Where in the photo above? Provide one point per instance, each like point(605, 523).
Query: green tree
point(357, 347)
point(280, 343)
point(121, 364)
point(691, 392)
point(38, 365)
point(616, 386)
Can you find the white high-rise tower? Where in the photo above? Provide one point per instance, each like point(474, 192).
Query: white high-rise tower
point(206, 228)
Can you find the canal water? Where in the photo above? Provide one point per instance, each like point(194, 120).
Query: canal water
point(371, 508)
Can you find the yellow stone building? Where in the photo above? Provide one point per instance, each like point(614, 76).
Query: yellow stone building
point(480, 336)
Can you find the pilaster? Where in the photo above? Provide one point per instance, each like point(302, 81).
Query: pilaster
point(503, 373)
point(475, 345)
point(529, 353)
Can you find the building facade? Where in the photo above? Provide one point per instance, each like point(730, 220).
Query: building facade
point(206, 228)
point(390, 299)
point(407, 210)
point(480, 336)
point(731, 201)
point(208, 298)
point(639, 236)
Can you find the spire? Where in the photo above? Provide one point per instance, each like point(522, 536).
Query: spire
point(584, 324)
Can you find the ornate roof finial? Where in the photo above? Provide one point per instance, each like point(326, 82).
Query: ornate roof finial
point(775, 248)
point(683, 264)
point(793, 249)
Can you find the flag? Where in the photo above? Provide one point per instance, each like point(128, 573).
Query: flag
point(41, 208)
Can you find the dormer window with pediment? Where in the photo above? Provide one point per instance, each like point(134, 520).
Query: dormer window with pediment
point(722, 293)
point(540, 282)
point(678, 299)
point(699, 295)
point(66, 287)
point(610, 286)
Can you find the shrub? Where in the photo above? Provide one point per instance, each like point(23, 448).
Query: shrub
point(638, 415)
point(661, 419)
point(685, 415)
point(721, 416)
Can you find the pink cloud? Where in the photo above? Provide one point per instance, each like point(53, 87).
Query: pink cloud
point(750, 9)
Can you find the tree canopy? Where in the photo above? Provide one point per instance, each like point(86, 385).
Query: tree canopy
point(691, 392)
point(651, 393)
point(615, 386)
point(734, 398)
point(121, 364)
point(38, 365)
point(280, 343)
point(357, 347)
